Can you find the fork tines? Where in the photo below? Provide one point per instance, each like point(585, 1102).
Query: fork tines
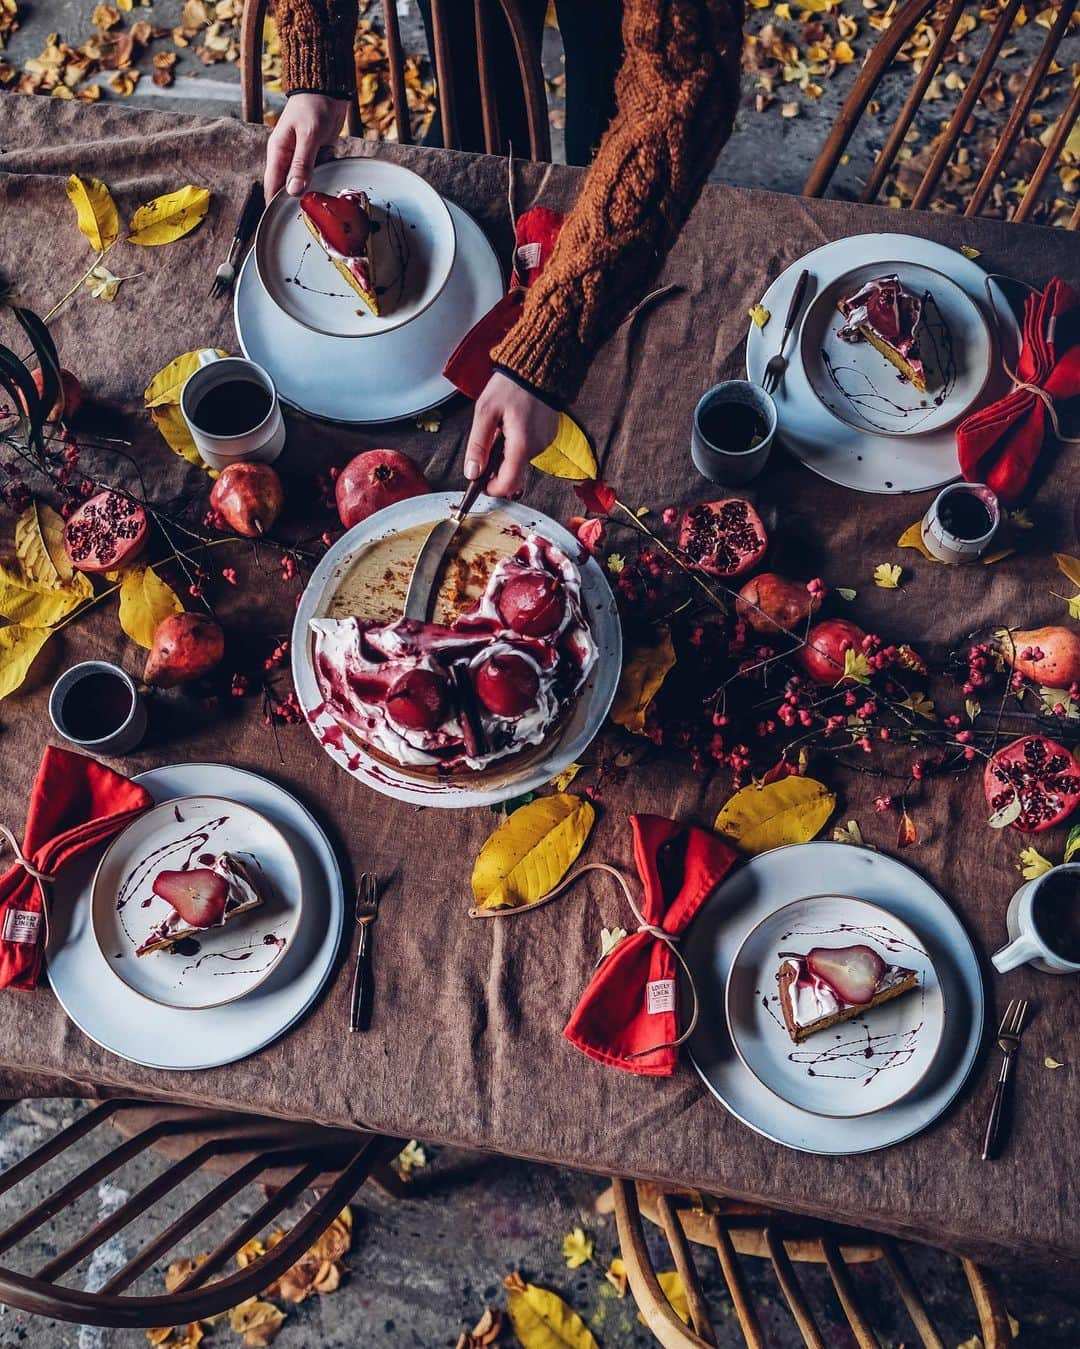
point(1012, 1023)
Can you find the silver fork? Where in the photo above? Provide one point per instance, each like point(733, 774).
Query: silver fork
point(367, 910)
point(1008, 1038)
point(774, 371)
point(254, 204)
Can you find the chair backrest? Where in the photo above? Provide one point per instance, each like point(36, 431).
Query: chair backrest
point(488, 14)
point(915, 46)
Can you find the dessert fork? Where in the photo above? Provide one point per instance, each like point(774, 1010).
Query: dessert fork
point(1008, 1038)
point(254, 204)
point(367, 910)
point(774, 371)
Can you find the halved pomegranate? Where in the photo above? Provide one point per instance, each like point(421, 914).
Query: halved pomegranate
point(106, 533)
point(1042, 773)
point(723, 538)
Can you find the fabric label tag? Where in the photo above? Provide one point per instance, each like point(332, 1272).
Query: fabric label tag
point(21, 925)
point(528, 256)
point(660, 996)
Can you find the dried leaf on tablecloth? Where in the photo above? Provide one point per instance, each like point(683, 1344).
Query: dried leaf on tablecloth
point(542, 1320)
point(95, 211)
point(145, 600)
point(563, 780)
point(906, 833)
point(165, 387)
point(969, 252)
point(169, 420)
point(759, 315)
point(577, 1248)
point(169, 217)
point(887, 575)
point(921, 705)
point(850, 833)
point(18, 647)
point(675, 1292)
point(610, 937)
point(912, 538)
point(570, 454)
point(645, 667)
point(846, 593)
point(531, 851)
point(39, 546)
point(35, 605)
point(103, 284)
point(792, 810)
point(258, 1322)
point(1033, 864)
point(1051, 1063)
point(1069, 567)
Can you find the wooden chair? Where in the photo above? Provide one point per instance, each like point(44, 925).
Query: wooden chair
point(285, 1159)
point(487, 14)
point(946, 15)
point(731, 1229)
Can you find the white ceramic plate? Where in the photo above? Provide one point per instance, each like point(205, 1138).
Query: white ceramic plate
point(571, 739)
point(122, 1021)
point(858, 459)
point(762, 886)
point(859, 386)
point(394, 374)
point(413, 242)
point(858, 1066)
point(222, 963)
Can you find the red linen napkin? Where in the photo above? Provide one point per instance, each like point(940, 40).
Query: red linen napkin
point(999, 444)
point(75, 804)
point(628, 1016)
point(469, 368)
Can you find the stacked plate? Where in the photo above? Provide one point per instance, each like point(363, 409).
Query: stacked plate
point(841, 408)
point(327, 354)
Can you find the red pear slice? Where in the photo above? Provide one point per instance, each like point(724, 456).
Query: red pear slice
point(198, 896)
point(852, 972)
point(342, 221)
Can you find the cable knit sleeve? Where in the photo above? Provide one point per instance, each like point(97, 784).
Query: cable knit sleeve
point(317, 39)
point(676, 93)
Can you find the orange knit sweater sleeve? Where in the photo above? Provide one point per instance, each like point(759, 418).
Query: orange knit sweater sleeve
point(676, 94)
point(317, 38)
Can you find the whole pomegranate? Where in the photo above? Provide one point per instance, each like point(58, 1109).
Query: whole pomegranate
point(1050, 656)
point(507, 684)
point(822, 658)
point(531, 603)
point(1042, 773)
point(417, 700)
point(375, 479)
point(770, 602)
point(723, 538)
point(107, 532)
point(186, 647)
point(69, 399)
point(248, 497)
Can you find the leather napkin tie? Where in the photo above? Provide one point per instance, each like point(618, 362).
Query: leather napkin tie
point(76, 803)
point(999, 444)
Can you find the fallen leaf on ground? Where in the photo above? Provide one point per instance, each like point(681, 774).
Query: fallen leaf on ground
point(1033, 864)
point(542, 1320)
point(487, 1331)
point(258, 1322)
point(577, 1248)
point(912, 538)
point(887, 576)
point(18, 647)
point(645, 667)
point(570, 454)
point(169, 217)
point(616, 1275)
point(675, 1292)
point(179, 1270)
point(165, 387)
point(95, 211)
point(759, 315)
point(39, 546)
point(792, 810)
point(145, 600)
point(531, 851)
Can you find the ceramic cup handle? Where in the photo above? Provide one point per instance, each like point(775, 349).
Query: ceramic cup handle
point(207, 355)
point(1018, 952)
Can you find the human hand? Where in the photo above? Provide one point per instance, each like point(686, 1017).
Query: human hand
point(527, 425)
point(309, 122)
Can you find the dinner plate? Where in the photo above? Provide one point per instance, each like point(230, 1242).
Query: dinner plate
point(216, 965)
point(569, 741)
point(759, 888)
point(859, 386)
point(413, 239)
point(857, 1066)
point(394, 374)
point(863, 460)
point(127, 1024)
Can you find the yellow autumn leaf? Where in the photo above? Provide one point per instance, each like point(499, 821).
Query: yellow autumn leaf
point(675, 1292)
point(1069, 567)
point(856, 667)
point(1033, 864)
point(969, 252)
point(176, 433)
point(170, 217)
point(563, 780)
point(542, 1320)
point(645, 668)
point(165, 387)
point(843, 53)
point(95, 211)
point(1073, 606)
point(25, 601)
point(258, 1322)
point(531, 851)
point(616, 1275)
point(577, 1248)
point(912, 538)
point(39, 546)
point(759, 315)
point(887, 576)
point(145, 600)
point(18, 647)
point(1049, 1062)
point(570, 454)
point(793, 810)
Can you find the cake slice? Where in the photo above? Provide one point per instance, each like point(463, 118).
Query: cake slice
point(888, 316)
point(201, 898)
point(342, 227)
point(833, 984)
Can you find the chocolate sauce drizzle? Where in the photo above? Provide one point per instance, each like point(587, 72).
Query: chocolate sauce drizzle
point(397, 246)
point(237, 957)
point(865, 1057)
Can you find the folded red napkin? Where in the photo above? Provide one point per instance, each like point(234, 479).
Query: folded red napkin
point(629, 1014)
point(75, 804)
point(999, 444)
point(470, 367)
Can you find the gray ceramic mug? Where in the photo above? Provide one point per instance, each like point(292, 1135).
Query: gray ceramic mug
point(716, 461)
point(125, 732)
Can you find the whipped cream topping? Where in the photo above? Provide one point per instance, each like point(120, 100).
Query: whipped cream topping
point(243, 893)
point(889, 310)
point(812, 999)
point(357, 663)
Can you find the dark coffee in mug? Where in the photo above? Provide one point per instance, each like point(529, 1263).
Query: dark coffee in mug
point(1055, 911)
point(965, 516)
point(730, 426)
point(95, 706)
point(232, 408)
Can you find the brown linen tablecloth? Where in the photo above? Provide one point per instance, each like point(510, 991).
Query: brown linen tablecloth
point(466, 1045)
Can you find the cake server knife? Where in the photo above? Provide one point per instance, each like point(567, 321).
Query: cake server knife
point(425, 572)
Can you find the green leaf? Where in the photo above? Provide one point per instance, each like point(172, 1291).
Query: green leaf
point(1072, 843)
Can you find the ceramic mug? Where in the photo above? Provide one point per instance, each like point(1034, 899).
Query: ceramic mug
point(122, 731)
point(732, 467)
point(1028, 943)
point(263, 442)
point(942, 542)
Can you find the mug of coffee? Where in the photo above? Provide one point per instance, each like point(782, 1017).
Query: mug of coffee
point(96, 706)
point(232, 410)
point(732, 433)
point(961, 521)
point(1044, 924)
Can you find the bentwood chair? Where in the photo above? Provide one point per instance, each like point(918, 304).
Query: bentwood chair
point(494, 20)
point(283, 1160)
point(911, 49)
point(731, 1229)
